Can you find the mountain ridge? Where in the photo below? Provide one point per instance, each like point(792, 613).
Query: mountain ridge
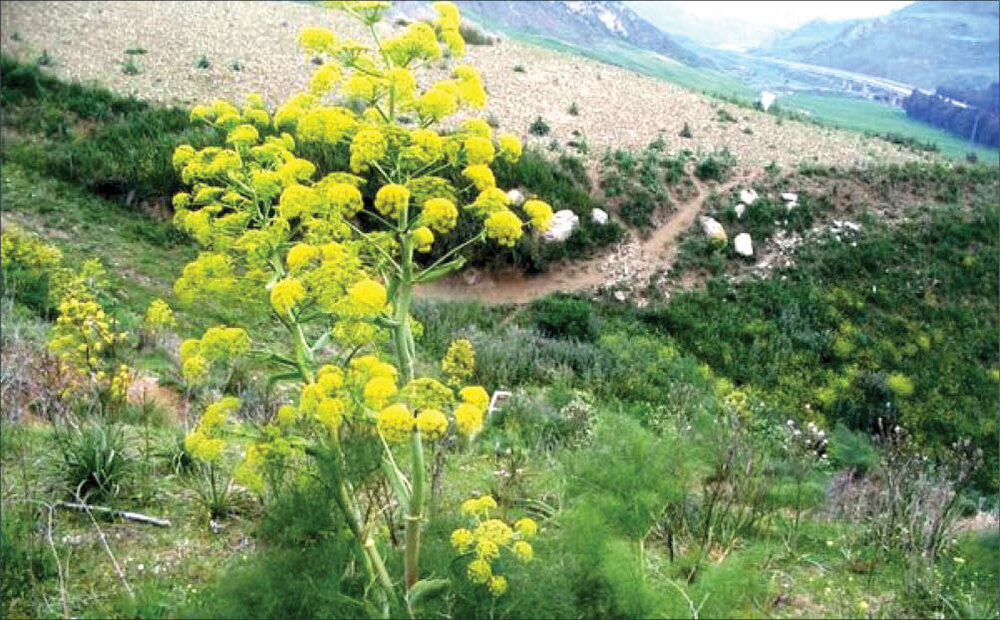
point(926, 43)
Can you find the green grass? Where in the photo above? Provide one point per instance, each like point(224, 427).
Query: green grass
point(143, 255)
point(862, 115)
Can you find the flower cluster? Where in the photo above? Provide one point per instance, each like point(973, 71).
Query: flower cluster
point(485, 540)
point(84, 339)
point(26, 253)
point(459, 362)
point(205, 442)
point(159, 316)
point(218, 346)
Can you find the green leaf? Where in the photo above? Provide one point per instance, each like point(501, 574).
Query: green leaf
point(426, 589)
point(283, 376)
point(440, 271)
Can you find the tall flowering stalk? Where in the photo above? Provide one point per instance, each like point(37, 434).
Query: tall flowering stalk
point(316, 219)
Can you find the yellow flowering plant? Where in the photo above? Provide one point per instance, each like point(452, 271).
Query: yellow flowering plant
point(32, 270)
point(323, 220)
point(484, 540)
point(87, 342)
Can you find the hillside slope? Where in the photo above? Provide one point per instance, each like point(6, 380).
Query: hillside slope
point(926, 43)
point(616, 107)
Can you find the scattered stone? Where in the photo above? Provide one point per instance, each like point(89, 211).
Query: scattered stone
point(563, 224)
point(790, 197)
point(743, 244)
point(766, 100)
point(515, 197)
point(740, 210)
point(599, 216)
point(620, 295)
point(712, 228)
point(748, 197)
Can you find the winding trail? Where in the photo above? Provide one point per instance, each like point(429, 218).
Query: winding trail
point(655, 252)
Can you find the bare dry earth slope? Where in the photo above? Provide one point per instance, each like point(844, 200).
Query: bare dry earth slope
point(618, 108)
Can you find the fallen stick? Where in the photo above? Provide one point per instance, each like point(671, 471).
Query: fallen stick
point(130, 516)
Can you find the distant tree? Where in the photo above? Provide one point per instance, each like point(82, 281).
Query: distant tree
point(978, 121)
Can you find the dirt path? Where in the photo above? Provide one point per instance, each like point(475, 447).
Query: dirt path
point(633, 261)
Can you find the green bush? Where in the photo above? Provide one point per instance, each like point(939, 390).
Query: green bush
point(306, 582)
point(539, 127)
point(715, 167)
point(563, 316)
point(128, 155)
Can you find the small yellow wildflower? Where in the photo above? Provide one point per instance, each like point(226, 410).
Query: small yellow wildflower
point(523, 551)
point(423, 239)
point(526, 527)
point(243, 135)
point(432, 424)
point(510, 147)
point(459, 362)
point(479, 571)
point(301, 255)
point(378, 390)
point(286, 294)
point(478, 150)
point(330, 412)
point(505, 227)
point(487, 550)
point(440, 214)
point(540, 214)
point(481, 176)
point(498, 585)
point(468, 419)
point(462, 540)
point(391, 200)
point(159, 315)
point(395, 423)
point(368, 296)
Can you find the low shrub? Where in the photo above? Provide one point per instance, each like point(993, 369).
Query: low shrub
point(94, 463)
point(539, 127)
point(563, 316)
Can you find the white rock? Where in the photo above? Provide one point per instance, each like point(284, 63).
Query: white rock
point(515, 197)
point(563, 224)
point(743, 244)
point(712, 228)
point(790, 197)
point(620, 295)
point(791, 205)
point(748, 197)
point(599, 216)
point(766, 100)
point(740, 210)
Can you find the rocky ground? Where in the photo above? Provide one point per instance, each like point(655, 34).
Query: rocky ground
point(251, 47)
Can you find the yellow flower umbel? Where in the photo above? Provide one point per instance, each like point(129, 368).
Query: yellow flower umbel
point(440, 214)
point(395, 423)
point(487, 539)
point(505, 227)
point(286, 294)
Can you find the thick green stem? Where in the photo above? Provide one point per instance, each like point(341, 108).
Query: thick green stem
point(404, 356)
point(371, 558)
